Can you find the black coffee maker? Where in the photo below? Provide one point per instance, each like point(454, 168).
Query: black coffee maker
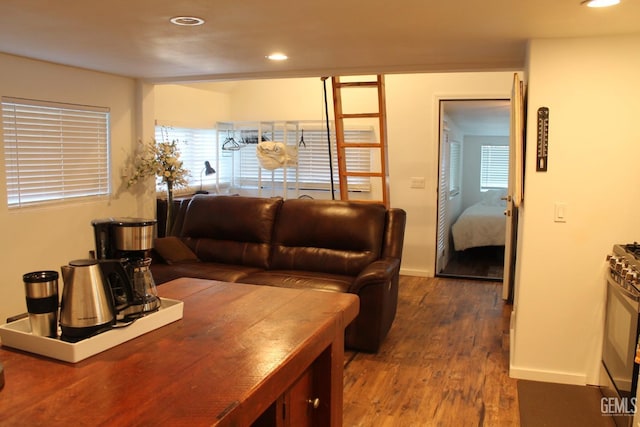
point(130, 240)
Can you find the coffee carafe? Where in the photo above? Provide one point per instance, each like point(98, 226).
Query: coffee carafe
point(88, 306)
point(145, 296)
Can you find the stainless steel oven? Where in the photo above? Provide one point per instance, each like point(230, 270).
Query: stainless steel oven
point(619, 379)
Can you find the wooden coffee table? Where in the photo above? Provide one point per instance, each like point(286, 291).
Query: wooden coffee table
point(241, 355)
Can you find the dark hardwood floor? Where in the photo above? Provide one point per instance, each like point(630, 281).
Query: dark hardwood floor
point(444, 363)
point(479, 263)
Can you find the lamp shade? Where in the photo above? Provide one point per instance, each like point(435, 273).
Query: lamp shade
point(207, 170)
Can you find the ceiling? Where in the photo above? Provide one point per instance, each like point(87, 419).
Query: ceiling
point(333, 37)
point(486, 117)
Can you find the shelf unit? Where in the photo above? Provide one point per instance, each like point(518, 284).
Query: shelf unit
point(233, 137)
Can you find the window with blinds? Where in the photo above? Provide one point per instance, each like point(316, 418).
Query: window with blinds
point(494, 167)
point(239, 164)
point(314, 169)
point(54, 151)
point(196, 147)
point(455, 168)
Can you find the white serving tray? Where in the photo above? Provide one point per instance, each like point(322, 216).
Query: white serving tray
point(18, 335)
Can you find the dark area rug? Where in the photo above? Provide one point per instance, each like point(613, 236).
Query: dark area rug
point(550, 405)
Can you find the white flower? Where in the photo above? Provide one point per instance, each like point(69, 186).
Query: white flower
point(162, 160)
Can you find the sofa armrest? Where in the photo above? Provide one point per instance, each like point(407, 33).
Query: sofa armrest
point(394, 233)
point(380, 271)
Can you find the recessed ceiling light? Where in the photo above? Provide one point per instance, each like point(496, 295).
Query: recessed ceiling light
point(600, 3)
point(188, 21)
point(278, 57)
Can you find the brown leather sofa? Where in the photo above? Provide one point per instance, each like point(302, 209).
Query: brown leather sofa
point(296, 243)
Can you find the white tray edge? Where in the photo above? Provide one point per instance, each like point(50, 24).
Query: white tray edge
point(18, 335)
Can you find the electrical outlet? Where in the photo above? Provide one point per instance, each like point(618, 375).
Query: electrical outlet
point(418, 182)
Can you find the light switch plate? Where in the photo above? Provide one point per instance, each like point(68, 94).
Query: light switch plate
point(560, 212)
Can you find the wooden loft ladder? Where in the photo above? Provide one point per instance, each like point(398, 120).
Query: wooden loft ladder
point(342, 147)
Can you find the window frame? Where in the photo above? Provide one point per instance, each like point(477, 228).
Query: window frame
point(54, 151)
point(494, 167)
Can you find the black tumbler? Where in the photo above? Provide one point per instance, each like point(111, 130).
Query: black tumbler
point(41, 289)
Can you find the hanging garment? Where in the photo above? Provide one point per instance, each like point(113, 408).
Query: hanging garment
point(274, 155)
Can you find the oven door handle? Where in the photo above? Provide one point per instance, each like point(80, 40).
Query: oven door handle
point(617, 287)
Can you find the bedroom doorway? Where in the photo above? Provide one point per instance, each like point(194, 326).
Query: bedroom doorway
point(473, 180)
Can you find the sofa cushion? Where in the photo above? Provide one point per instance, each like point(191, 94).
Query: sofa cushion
point(335, 237)
point(231, 230)
point(300, 280)
point(211, 271)
point(172, 250)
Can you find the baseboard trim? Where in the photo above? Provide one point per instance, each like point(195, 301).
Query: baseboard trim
point(548, 376)
point(415, 272)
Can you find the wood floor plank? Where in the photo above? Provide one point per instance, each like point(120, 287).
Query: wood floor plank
point(445, 361)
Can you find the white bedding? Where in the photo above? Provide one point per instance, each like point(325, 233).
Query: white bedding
point(482, 224)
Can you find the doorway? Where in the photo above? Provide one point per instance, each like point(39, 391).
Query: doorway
point(473, 181)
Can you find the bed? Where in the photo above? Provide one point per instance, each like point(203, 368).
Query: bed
point(481, 224)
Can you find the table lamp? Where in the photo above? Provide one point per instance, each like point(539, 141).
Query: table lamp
point(207, 170)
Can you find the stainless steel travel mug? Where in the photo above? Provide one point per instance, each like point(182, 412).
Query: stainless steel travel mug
point(41, 289)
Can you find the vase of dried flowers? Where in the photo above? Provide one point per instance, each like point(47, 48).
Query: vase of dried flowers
point(162, 160)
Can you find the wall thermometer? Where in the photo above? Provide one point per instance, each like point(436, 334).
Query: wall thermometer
point(543, 139)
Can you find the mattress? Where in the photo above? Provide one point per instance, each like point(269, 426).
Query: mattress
point(481, 224)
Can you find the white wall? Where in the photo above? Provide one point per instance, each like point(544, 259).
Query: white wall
point(48, 237)
point(592, 90)
point(413, 109)
point(190, 106)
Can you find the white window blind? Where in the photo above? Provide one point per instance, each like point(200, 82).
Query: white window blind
point(455, 168)
point(313, 170)
point(494, 166)
point(442, 196)
point(196, 146)
point(54, 151)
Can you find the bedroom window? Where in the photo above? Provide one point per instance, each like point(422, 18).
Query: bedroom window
point(494, 167)
point(54, 151)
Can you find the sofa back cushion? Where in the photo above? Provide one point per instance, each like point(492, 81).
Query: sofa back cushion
point(329, 236)
point(230, 229)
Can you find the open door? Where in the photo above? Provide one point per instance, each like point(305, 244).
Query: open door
point(514, 192)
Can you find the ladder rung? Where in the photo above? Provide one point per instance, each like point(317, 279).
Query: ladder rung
point(357, 84)
point(369, 174)
point(358, 115)
point(361, 145)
